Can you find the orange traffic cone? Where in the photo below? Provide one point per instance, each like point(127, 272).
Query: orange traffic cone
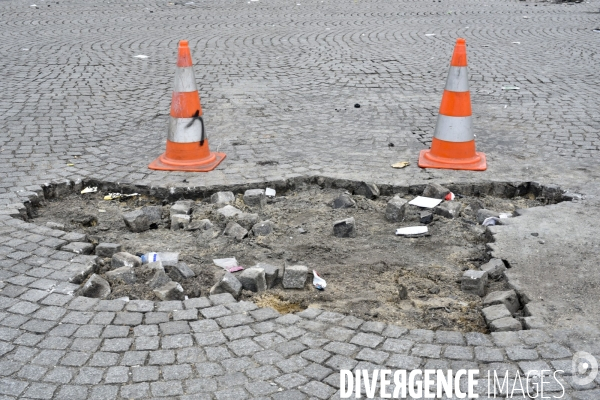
point(453, 144)
point(187, 145)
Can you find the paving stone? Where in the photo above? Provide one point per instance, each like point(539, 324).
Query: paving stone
point(135, 391)
point(426, 350)
point(553, 351)
point(40, 391)
point(176, 341)
point(488, 354)
point(89, 376)
point(174, 327)
point(505, 324)
point(520, 353)
point(401, 346)
point(134, 358)
point(117, 374)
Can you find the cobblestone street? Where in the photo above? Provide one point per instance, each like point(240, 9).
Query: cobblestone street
point(279, 81)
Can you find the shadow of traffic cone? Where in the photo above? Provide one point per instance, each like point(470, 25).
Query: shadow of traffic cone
point(453, 144)
point(187, 145)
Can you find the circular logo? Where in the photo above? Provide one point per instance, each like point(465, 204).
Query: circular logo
point(584, 367)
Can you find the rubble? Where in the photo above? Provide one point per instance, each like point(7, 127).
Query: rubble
point(426, 217)
point(247, 220)
point(344, 228)
point(136, 221)
point(159, 279)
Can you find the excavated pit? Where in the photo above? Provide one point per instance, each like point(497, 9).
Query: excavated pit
point(363, 273)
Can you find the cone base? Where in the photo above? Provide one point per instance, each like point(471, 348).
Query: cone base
point(476, 163)
point(163, 163)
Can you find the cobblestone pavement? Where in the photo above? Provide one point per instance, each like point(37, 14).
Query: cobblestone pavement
point(278, 81)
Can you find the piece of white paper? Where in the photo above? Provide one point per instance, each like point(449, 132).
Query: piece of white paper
point(226, 263)
point(270, 192)
point(425, 202)
point(412, 230)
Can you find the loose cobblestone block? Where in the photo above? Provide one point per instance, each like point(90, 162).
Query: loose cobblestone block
point(108, 249)
point(255, 198)
point(181, 207)
point(78, 248)
point(136, 221)
point(263, 228)
point(222, 198)
point(124, 259)
point(395, 209)
point(344, 228)
point(495, 268)
point(294, 276)
point(271, 273)
point(368, 190)
point(181, 271)
point(505, 324)
point(343, 201)
point(449, 209)
point(235, 230)
point(253, 279)
point(229, 211)
point(495, 312)
point(170, 291)
point(474, 282)
point(124, 274)
point(435, 191)
point(95, 287)
point(180, 221)
point(508, 298)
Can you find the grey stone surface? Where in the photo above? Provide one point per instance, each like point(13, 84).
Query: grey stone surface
point(181, 207)
point(229, 211)
point(253, 279)
point(159, 278)
point(495, 268)
point(474, 282)
point(344, 200)
point(170, 291)
point(345, 228)
point(95, 287)
point(272, 273)
point(181, 271)
point(495, 312)
point(136, 221)
point(234, 230)
point(294, 276)
point(505, 324)
point(108, 249)
point(449, 209)
point(180, 221)
point(222, 198)
point(229, 283)
point(124, 259)
point(255, 198)
point(78, 248)
point(368, 190)
point(125, 274)
point(508, 298)
point(435, 190)
point(263, 228)
point(395, 209)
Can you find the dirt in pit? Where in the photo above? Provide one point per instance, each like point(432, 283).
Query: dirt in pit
point(363, 274)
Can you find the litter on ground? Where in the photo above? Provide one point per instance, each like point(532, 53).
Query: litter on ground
point(424, 202)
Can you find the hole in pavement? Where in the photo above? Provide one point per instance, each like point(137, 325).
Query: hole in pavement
point(376, 275)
